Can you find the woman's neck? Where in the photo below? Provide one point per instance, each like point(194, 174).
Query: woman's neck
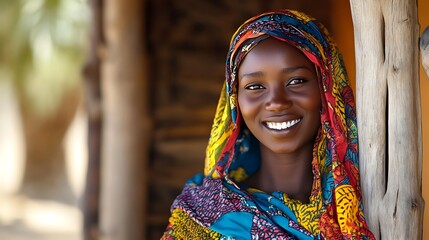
point(288, 173)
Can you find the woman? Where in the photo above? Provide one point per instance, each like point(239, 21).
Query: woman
point(282, 161)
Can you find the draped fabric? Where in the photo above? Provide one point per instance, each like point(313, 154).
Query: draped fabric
point(217, 205)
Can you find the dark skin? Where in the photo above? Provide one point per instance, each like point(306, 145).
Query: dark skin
point(279, 99)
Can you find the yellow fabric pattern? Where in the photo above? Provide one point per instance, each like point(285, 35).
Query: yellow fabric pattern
point(346, 208)
point(239, 174)
point(186, 228)
point(221, 130)
point(306, 214)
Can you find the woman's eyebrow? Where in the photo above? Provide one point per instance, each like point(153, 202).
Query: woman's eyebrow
point(251, 74)
point(292, 69)
point(284, 70)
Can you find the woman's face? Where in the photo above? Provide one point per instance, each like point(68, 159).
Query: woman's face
point(279, 96)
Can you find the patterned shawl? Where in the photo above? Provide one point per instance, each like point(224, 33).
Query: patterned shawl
point(217, 206)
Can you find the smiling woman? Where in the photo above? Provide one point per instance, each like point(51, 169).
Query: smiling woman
point(281, 162)
point(279, 100)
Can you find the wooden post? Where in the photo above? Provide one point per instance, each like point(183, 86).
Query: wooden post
point(91, 72)
point(389, 119)
point(126, 125)
point(424, 48)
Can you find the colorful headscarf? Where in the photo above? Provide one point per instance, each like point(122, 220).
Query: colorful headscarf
point(216, 206)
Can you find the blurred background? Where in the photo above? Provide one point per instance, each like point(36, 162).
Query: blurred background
point(78, 78)
point(43, 153)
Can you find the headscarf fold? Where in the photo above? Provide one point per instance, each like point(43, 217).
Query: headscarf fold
point(215, 205)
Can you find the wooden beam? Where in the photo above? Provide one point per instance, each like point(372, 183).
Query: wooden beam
point(389, 118)
point(126, 122)
point(91, 73)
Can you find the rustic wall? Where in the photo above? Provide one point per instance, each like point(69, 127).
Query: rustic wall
point(188, 42)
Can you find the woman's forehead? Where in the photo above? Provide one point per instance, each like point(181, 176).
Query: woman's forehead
point(276, 52)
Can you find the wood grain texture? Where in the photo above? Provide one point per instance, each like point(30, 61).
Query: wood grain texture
point(92, 79)
point(126, 122)
point(389, 118)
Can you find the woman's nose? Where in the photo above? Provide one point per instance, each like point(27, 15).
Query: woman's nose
point(278, 100)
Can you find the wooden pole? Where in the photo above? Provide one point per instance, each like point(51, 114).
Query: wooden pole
point(91, 72)
point(389, 118)
point(126, 122)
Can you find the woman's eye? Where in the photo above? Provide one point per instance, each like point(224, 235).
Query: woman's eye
point(296, 81)
point(254, 87)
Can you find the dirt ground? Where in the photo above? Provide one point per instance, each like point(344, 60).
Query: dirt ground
point(17, 232)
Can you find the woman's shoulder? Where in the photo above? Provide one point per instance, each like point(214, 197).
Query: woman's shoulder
point(182, 226)
point(206, 199)
point(201, 193)
point(193, 211)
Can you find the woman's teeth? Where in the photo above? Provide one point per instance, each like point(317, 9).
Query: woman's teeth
point(282, 125)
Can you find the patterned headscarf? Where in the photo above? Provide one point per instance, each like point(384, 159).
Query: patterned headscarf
point(216, 205)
